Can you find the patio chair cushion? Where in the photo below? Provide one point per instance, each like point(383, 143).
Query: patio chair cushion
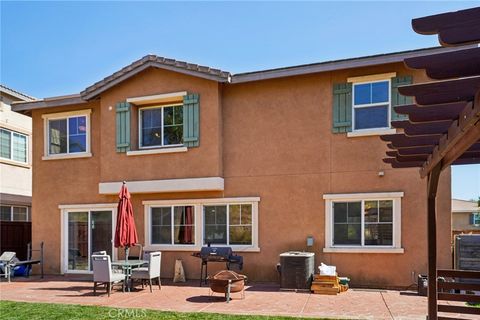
point(116, 277)
point(140, 274)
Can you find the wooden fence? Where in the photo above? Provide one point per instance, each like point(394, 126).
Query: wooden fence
point(15, 236)
point(467, 252)
point(462, 291)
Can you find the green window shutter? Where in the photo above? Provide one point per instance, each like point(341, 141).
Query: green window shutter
point(397, 98)
point(342, 107)
point(191, 120)
point(123, 126)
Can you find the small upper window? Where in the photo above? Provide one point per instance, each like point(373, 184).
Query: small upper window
point(371, 105)
point(161, 126)
point(476, 218)
point(13, 146)
point(13, 213)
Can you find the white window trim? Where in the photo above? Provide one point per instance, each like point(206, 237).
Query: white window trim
point(66, 115)
point(369, 131)
point(198, 205)
point(11, 212)
point(397, 222)
point(64, 210)
point(27, 149)
point(476, 214)
point(158, 98)
point(140, 142)
point(157, 151)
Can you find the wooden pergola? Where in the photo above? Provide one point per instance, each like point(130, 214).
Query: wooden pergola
point(442, 129)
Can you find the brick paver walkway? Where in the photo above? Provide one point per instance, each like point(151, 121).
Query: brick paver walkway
point(260, 299)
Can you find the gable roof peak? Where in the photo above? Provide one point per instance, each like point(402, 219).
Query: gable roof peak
point(154, 61)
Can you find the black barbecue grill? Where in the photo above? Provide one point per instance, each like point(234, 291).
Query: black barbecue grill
point(217, 254)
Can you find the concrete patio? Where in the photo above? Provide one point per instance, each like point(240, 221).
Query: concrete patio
point(260, 299)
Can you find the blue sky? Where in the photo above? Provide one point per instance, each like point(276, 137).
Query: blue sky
point(56, 48)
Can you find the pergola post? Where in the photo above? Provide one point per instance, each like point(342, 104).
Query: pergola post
point(433, 178)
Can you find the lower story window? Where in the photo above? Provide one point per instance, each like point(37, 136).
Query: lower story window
point(374, 217)
point(228, 224)
point(363, 220)
point(189, 224)
point(173, 225)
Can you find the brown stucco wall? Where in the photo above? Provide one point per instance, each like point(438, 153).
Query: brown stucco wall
point(270, 139)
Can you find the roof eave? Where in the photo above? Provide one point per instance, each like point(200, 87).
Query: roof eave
point(48, 103)
point(339, 64)
point(16, 94)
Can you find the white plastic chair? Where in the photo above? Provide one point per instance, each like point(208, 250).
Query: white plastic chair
point(151, 272)
point(103, 274)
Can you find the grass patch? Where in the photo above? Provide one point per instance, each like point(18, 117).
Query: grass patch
point(33, 311)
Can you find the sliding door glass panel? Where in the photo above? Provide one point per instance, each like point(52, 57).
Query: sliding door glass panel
point(101, 231)
point(78, 240)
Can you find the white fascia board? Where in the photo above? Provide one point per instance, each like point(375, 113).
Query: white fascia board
point(159, 186)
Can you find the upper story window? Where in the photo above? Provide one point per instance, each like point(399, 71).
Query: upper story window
point(369, 222)
point(371, 105)
point(476, 218)
point(14, 213)
point(67, 134)
point(161, 126)
point(13, 146)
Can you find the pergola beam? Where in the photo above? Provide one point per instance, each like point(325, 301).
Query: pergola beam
point(462, 134)
point(438, 66)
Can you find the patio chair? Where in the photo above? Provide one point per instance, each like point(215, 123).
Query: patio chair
point(140, 251)
point(103, 274)
point(6, 260)
point(152, 272)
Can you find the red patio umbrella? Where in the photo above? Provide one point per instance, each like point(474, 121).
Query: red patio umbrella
point(125, 231)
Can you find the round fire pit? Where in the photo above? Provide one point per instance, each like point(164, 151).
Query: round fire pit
point(226, 282)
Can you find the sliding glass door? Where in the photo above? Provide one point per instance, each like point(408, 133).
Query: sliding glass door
point(88, 231)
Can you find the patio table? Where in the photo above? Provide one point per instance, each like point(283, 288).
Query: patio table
point(127, 267)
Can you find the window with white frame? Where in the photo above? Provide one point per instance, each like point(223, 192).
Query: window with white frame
point(13, 146)
point(14, 213)
point(476, 218)
point(371, 105)
point(67, 133)
point(363, 220)
point(161, 126)
point(183, 225)
point(228, 224)
point(172, 225)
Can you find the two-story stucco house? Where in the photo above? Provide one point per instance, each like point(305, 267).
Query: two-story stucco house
point(15, 158)
point(257, 161)
point(15, 173)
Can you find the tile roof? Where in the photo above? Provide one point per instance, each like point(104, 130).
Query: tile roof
point(464, 206)
point(158, 62)
point(223, 76)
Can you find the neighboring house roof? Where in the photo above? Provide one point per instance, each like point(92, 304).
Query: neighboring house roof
point(464, 206)
point(224, 76)
point(15, 93)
